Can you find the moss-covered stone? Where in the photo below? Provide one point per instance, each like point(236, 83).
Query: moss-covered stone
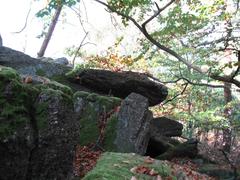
point(7, 73)
point(73, 73)
point(56, 86)
point(94, 107)
point(117, 166)
point(110, 134)
point(16, 99)
point(40, 72)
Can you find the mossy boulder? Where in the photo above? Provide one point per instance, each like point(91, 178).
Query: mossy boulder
point(57, 136)
point(91, 107)
point(38, 129)
point(117, 166)
point(15, 100)
point(133, 125)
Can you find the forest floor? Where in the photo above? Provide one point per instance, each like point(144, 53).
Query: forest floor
point(86, 160)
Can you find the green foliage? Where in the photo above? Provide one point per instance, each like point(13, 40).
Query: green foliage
point(186, 27)
point(129, 7)
point(53, 4)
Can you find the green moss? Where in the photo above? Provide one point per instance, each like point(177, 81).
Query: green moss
point(15, 101)
point(110, 134)
point(63, 80)
point(40, 72)
point(81, 94)
point(7, 73)
point(59, 89)
point(96, 105)
point(117, 166)
point(89, 127)
point(41, 115)
point(73, 73)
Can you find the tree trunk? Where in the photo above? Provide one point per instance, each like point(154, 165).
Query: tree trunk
point(227, 113)
point(50, 32)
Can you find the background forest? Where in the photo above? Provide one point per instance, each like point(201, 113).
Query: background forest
point(191, 46)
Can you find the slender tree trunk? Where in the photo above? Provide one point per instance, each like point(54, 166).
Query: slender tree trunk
point(50, 31)
point(227, 113)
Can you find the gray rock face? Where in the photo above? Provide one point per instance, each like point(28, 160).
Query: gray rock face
point(57, 140)
point(120, 84)
point(1, 44)
point(163, 126)
point(161, 131)
point(27, 65)
point(61, 60)
point(39, 131)
point(133, 125)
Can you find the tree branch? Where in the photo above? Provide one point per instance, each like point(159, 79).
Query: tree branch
point(120, 13)
point(162, 47)
point(26, 21)
point(159, 10)
point(184, 79)
point(238, 68)
point(79, 47)
point(184, 89)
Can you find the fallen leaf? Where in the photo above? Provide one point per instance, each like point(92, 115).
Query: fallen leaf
point(117, 165)
point(133, 178)
point(127, 162)
point(133, 170)
point(28, 80)
point(159, 177)
point(148, 160)
point(153, 173)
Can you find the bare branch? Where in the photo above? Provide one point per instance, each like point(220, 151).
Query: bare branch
point(202, 84)
point(79, 47)
point(157, 13)
point(26, 21)
point(222, 39)
point(184, 79)
point(120, 13)
point(184, 89)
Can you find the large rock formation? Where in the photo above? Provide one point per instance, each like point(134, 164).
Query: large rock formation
point(1, 43)
point(120, 84)
point(161, 131)
point(133, 125)
point(25, 64)
point(38, 129)
point(97, 119)
point(163, 126)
